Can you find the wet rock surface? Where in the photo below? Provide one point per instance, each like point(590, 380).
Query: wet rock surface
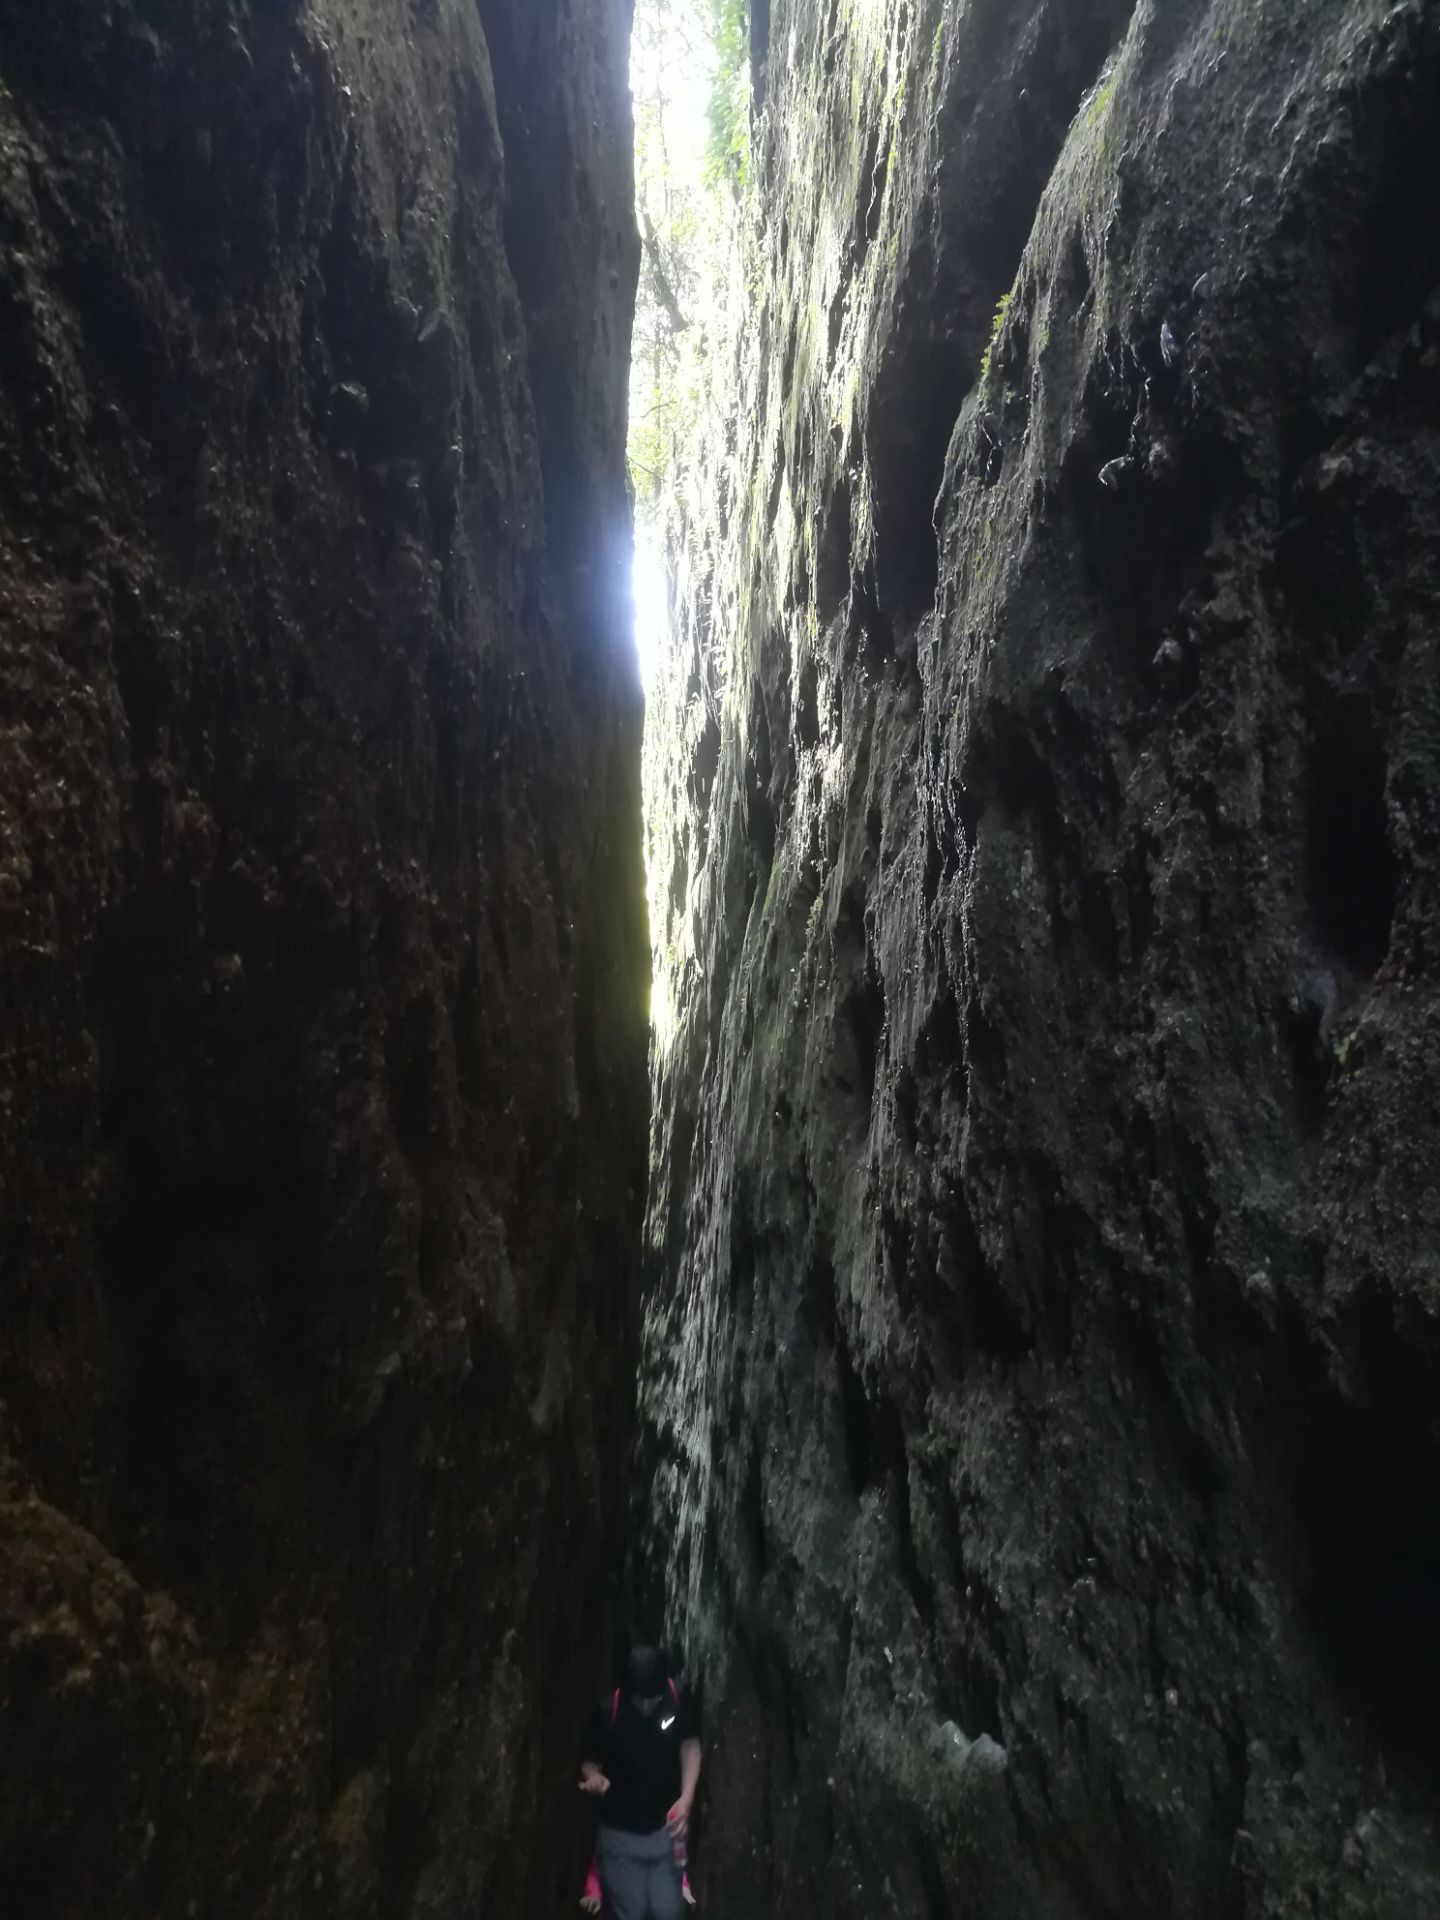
point(1044, 1317)
point(322, 968)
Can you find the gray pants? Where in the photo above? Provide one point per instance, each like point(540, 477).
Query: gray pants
point(639, 1875)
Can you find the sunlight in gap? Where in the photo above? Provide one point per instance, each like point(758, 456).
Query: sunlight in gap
point(672, 76)
point(652, 605)
point(690, 78)
point(672, 68)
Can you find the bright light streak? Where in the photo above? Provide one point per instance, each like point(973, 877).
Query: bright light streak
point(652, 607)
point(672, 64)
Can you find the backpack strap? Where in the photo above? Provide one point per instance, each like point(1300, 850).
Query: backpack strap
point(615, 1703)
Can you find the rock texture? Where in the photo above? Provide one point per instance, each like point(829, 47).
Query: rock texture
point(1044, 1330)
point(322, 951)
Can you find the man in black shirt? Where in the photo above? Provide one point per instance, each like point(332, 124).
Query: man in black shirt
point(642, 1756)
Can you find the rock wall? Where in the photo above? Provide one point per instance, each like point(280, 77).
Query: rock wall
point(322, 953)
point(1043, 1335)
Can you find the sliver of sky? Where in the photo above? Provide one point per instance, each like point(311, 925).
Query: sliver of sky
point(672, 59)
point(672, 62)
point(652, 608)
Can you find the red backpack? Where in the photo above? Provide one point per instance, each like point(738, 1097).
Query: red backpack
point(615, 1703)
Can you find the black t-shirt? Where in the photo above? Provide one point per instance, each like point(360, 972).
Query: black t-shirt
point(640, 1758)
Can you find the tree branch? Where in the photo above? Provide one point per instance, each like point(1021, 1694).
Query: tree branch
point(659, 279)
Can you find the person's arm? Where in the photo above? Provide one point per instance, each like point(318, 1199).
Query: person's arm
point(689, 1771)
point(592, 1754)
point(689, 1780)
point(689, 1731)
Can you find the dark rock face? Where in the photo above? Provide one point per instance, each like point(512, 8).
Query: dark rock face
point(322, 951)
point(1042, 1366)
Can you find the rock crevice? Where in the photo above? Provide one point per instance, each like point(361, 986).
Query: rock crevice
point(1041, 1336)
point(322, 971)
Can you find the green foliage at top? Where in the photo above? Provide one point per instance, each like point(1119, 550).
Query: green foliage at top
point(684, 50)
point(729, 108)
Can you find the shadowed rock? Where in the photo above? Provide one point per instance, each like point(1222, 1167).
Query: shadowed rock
point(1045, 1335)
point(322, 970)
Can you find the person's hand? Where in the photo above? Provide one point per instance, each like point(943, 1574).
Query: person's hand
point(678, 1819)
point(590, 1902)
point(688, 1892)
point(594, 1782)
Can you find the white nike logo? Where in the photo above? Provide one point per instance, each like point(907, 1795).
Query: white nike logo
point(665, 1725)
